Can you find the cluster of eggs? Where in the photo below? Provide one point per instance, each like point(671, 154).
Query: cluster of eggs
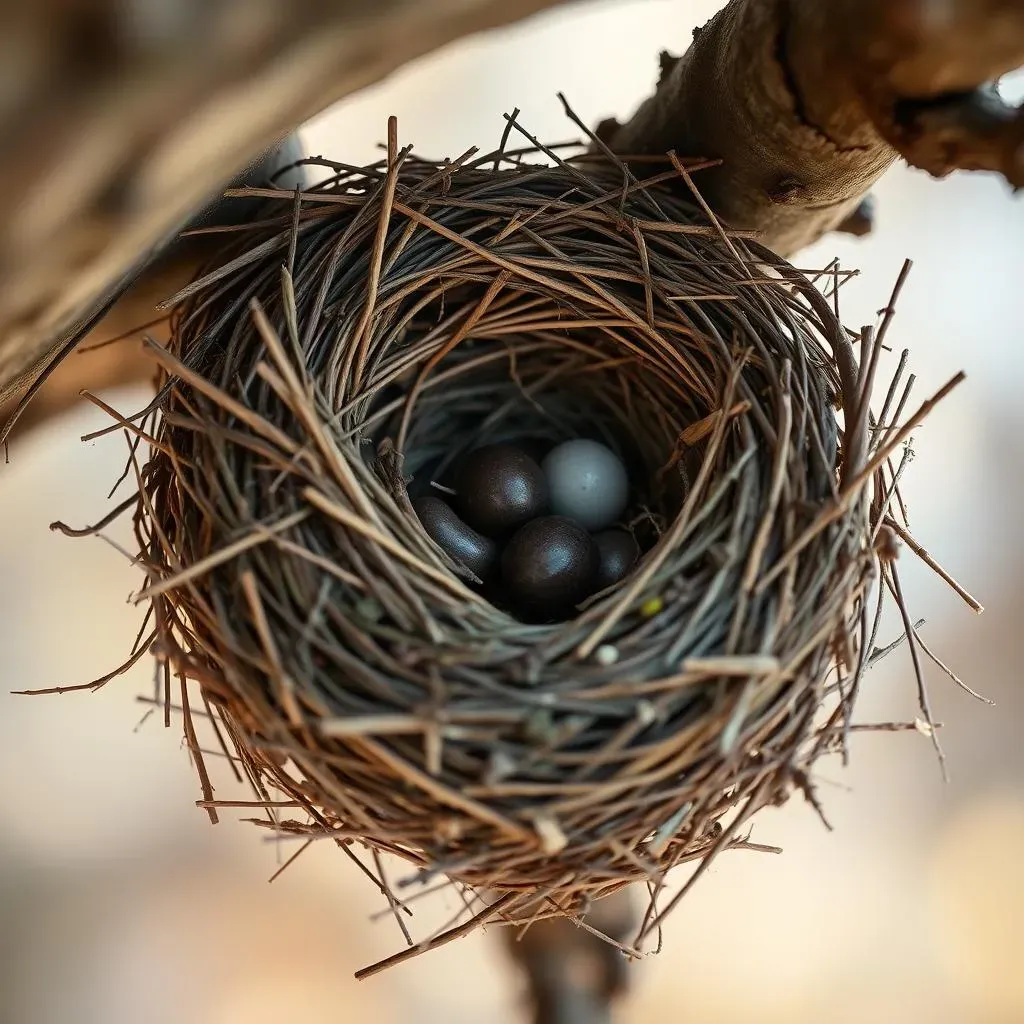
point(540, 535)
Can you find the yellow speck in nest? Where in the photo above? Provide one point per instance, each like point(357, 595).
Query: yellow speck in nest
point(651, 607)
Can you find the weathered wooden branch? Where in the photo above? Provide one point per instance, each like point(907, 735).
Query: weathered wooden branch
point(808, 103)
point(121, 117)
point(112, 352)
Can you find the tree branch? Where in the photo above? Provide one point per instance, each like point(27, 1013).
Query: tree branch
point(120, 117)
point(99, 363)
point(808, 103)
point(575, 976)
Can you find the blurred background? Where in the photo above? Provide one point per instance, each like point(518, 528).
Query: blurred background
point(120, 904)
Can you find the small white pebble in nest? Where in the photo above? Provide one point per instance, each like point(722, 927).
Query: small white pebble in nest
point(606, 655)
point(646, 713)
point(587, 483)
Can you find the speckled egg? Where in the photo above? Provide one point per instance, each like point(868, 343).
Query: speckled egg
point(498, 488)
point(548, 567)
point(587, 482)
point(618, 552)
point(457, 539)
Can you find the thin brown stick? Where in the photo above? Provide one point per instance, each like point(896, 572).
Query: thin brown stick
point(489, 913)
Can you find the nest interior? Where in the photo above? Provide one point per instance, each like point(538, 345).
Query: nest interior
point(356, 340)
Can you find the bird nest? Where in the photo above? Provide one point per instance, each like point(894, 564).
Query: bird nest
point(348, 348)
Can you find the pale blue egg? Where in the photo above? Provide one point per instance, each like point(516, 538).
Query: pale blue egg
point(588, 483)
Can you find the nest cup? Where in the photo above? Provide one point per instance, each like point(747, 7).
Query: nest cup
point(353, 343)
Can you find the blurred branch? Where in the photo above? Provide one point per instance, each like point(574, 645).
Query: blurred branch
point(98, 365)
point(111, 353)
point(120, 117)
point(573, 975)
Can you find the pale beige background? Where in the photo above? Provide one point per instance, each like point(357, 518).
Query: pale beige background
point(119, 904)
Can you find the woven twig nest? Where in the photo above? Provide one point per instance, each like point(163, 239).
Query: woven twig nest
point(363, 335)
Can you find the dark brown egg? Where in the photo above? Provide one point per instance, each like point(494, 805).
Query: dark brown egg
point(498, 488)
point(617, 552)
point(549, 567)
point(476, 552)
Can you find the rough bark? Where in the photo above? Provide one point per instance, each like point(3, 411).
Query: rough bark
point(808, 103)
